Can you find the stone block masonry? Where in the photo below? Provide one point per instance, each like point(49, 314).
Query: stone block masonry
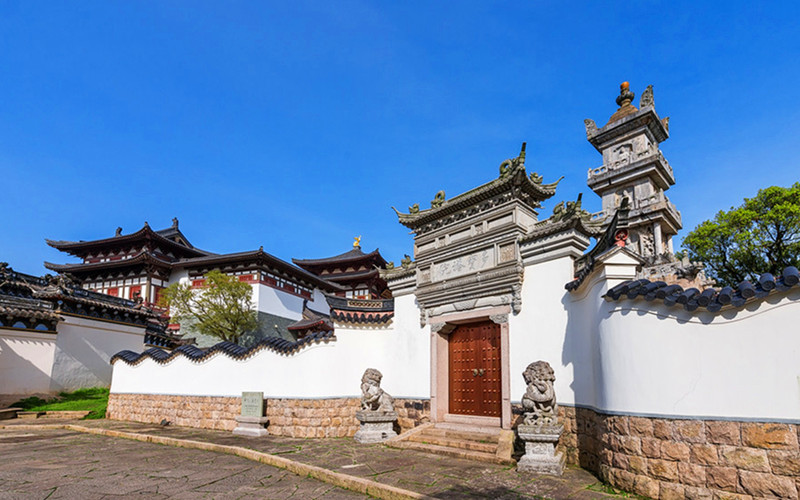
point(683, 458)
point(333, 417)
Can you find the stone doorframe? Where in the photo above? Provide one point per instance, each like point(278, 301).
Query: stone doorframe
point(441, 327)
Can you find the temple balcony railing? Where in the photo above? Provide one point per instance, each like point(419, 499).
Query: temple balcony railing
point(628, 162)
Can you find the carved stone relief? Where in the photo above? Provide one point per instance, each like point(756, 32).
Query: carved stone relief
point(507, 253)
point(499, 318)
point(466, 264)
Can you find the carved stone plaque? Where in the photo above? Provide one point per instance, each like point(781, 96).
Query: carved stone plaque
point(252, 404)
point(466, 264)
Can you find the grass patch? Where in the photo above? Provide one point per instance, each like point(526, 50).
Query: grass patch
point(607, 488)
point(94, 399)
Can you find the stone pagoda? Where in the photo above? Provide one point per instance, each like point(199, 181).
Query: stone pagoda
point(634, 168)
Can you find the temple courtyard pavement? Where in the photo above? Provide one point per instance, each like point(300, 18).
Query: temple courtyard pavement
point(51, 459)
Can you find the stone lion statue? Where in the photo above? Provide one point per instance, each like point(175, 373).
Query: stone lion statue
point(373, 398)
point(539, 400)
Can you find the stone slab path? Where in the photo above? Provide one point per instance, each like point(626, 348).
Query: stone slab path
point(56, 464)
point(431, 475)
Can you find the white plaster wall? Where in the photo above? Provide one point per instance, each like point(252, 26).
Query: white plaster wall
point(324, 370)
point(539, 331)
point(26, 361)
point(666, 361)
point(318, 302)
point(178, 276)
point(83, 349)
point(279, 303)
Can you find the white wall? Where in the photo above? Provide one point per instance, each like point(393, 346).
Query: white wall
point(26, 361)
point(318, 302)
point(538, 331)
point(666, 361)
point(83, 349)
point(273, 301)
point(630, 357)
point(323, 370)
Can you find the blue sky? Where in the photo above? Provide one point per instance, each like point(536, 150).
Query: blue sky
point(297, 125)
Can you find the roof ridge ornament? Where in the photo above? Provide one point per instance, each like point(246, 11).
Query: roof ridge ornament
point(357, 242)
point(647, 98)
point(625, 96)
point(438, 200)
point(175, 222)
point(118, 232)
point(510, 165)
point(591, 128)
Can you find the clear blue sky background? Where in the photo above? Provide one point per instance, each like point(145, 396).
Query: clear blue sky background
point(297, 125)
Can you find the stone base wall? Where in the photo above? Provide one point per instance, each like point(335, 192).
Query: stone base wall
point(335, 417)
point(671, 458)
point(186, 411)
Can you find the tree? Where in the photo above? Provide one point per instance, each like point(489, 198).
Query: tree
point(223, 308)
point(761, 235)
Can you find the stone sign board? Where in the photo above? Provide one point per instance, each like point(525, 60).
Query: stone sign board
point(252, 404)
point(252, 420)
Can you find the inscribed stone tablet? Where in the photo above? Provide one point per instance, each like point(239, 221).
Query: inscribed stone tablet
point(252, 404)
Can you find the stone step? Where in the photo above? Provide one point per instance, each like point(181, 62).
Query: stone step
point(451, 452)
point(463, 444)
point(463, 434)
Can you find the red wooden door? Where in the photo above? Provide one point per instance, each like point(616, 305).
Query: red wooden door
point(474, 366)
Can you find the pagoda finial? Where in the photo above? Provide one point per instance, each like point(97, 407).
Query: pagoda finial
point(357, 243)
point(175, 222)
point(625, 96)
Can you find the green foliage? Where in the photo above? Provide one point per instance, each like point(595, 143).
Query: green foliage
point(94, 399)
point(222, 309)
point(761, 235)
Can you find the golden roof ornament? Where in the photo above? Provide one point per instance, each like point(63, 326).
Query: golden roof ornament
point(357, 243)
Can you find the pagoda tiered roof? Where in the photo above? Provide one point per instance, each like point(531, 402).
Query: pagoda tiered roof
point(143, 257)
point(170, 238)
point(349, 269)
point(353, 256)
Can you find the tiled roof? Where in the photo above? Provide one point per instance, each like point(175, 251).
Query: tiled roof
point(162, 236)
point(260, 256)
point(353, 255)
point(143, 257)
point(26, 296)
point(710, 299)
point(362, 317)
point(275, 344)
point(312, 320)
point(515, 180)
point(548, 227)
point(585, 265)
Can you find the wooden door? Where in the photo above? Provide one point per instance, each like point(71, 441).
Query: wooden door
point(474, 366)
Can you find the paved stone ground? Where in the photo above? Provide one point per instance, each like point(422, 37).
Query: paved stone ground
point(433, 475)
point(65, 464)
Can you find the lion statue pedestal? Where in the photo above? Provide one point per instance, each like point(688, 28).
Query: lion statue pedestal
point(377, 415)
point(540, 429)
